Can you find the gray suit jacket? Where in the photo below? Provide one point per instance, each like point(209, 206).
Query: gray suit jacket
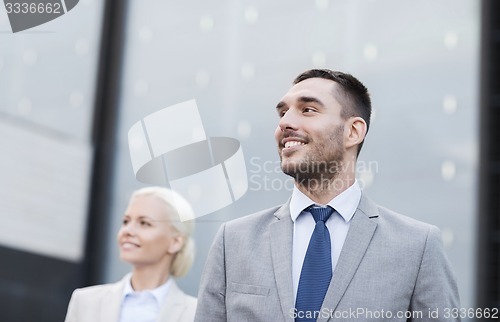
point(390, 266)
point(102, 303)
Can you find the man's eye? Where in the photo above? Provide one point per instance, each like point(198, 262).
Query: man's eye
point(124, 222)
point(145, 223)
point(308, 109)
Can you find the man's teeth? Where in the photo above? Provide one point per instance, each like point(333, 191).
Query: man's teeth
point(289, 144)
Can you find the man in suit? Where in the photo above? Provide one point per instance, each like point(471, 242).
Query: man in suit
point(328, 253)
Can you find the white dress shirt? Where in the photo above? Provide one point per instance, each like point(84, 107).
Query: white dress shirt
point(142, 306)
point(345, 205)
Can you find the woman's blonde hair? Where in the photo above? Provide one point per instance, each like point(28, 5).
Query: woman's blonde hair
point(178, 210)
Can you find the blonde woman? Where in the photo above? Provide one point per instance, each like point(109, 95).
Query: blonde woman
point(158, 245)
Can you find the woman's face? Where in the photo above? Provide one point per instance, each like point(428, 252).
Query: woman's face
point(146, 237)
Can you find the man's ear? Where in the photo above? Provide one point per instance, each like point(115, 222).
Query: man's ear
point(356, 131)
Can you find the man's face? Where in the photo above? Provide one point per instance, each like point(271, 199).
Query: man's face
point(310, 133)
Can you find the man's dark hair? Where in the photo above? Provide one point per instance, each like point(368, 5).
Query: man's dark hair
point(352, 95)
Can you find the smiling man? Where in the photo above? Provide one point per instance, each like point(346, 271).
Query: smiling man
point(329, 253)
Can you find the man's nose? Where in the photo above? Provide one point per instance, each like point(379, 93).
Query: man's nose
point(289, 120)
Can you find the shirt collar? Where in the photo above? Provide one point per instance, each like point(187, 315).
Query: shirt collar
point(345, 203)
point(159, 293)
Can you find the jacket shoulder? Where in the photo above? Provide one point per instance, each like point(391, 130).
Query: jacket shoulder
point(386, 217)
point(95, 291)
point(391, 217)
point(263, 217)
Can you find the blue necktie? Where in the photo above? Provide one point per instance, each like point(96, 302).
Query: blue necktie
point(317, 268)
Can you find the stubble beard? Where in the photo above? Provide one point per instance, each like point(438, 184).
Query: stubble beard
point(321, 165)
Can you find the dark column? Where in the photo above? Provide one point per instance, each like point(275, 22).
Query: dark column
point(104, 137)
point(488, 277)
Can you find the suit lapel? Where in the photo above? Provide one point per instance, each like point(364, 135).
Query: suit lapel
point(111, 304)
point(357, 240)
point(174, 304)
point(280, 234)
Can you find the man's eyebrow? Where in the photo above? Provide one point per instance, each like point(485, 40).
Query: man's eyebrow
point(310, 99)
point(280, 105)
point(302, 99)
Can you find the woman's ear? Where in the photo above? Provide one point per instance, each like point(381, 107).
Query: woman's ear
point(356, 131)
point(176, 244)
